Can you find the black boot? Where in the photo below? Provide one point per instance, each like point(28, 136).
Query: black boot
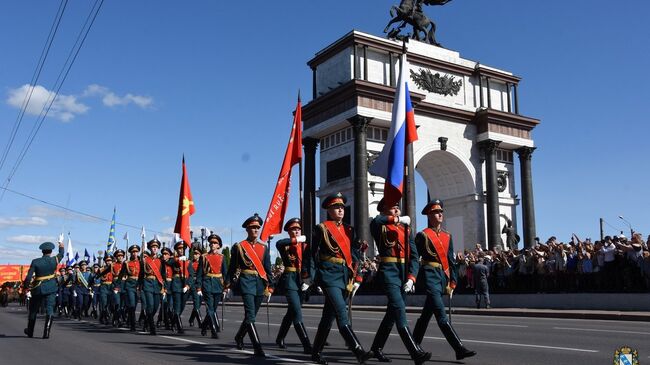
point(353, 343)
point(282, 333)
point(142, 318)
point(319, 343)
point(304, 338)
point(204, 326)
point(199, 320)
point(417, 354)
point(239, 337)
point(179, 324)
point(255, 339)
point(152, 325)
point(131, 319)
point(380, 340)
point(48, 327)
point(214, 325)
point(454, 341)
point(419, 330)
point(29, 331)
point(192, 316)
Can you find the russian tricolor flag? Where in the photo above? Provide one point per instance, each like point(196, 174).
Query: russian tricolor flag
point(391, 161)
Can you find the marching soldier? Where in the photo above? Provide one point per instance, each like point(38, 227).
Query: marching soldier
point(296, 268)
point(118, 287)
point(179, 284)
point(397, 273)
point(94, 294)
point(253, 261)
point(436, 249)
point(43, 288)
point(153, 284)
point(195, 271)
point(336, 256)
point(82, 281)
point(66, 291)
point(106, 289)
point(166, 310)
point(60, 283)
point(214, 269)
point(134, 274)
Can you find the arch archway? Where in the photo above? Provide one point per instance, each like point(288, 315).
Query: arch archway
point(448, 178)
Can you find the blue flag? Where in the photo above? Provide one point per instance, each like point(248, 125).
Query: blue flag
point(110, 245)
point(86, 254)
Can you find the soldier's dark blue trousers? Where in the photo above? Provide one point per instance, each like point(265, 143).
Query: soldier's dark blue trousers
point(252, 304)
point(335, 307)
point(294, 310)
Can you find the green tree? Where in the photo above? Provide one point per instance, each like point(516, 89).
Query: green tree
point(278, 261)
point(226, 255)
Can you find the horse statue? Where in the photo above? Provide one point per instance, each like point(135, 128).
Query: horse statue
point(410, 12)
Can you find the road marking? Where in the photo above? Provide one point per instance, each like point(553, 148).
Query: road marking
point(274, 357)
point(491, 324)
point(597, 330)
point(499, 343)
point(184, 340)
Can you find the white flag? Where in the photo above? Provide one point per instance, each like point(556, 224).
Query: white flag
point(71, 260)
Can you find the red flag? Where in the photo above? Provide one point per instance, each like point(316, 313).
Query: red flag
point(185, 209)
point(280, 200)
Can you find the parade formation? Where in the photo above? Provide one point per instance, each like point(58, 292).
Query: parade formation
point(162, 282)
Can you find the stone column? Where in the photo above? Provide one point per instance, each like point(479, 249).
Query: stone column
point(489, 148)
point(361, 224)
point(310, 207)
point(527, 202)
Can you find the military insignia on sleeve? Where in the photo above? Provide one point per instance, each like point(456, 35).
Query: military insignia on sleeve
point(626, 356)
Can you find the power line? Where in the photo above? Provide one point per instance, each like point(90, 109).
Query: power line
point(76, 211)
point(72, 56)
point(34, 81)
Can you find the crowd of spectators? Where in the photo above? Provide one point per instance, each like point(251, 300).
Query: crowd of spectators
point(614, 264)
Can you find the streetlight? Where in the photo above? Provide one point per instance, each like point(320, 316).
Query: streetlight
point(628, 224)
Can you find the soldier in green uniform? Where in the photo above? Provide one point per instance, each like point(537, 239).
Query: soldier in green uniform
point(43, 289)
point(252, 259)
point(194, 281)
point(398, 269)
point(439, 273)
point(134, 275)
point(180, 284)
point(336, 254)
point(154, 279)
point(167, 308)
point(296, 262)
point(214, 274)
point(106, 289)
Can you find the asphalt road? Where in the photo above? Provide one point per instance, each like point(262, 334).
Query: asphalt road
point(498, 340)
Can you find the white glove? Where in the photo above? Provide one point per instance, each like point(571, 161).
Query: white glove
point(114, 291)
point(304, 287)
point(408, 287)
point(185, 289)
point(182, 258)
point(404, 219)
point(60, 238)
point(268, 298)
point(355, 287)
point(28, 295)
point(74, 294)
point(199, 293)
point(301, 239)
point(319, 290)
point(91, 294)
point(225, 293)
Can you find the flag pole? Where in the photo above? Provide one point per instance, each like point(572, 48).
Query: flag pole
point(300, 187)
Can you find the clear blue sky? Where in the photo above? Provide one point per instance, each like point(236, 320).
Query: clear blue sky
point(158, 79)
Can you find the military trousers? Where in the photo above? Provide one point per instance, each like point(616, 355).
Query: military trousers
point(212, 302)
point(396, 308)
point(131, 289)
point(196, 298)
point(335, 308)
point(178, 302)
point(433, 305)
point(252, 304)
point(294, 308)
point(151, 301)
point(47, 300)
